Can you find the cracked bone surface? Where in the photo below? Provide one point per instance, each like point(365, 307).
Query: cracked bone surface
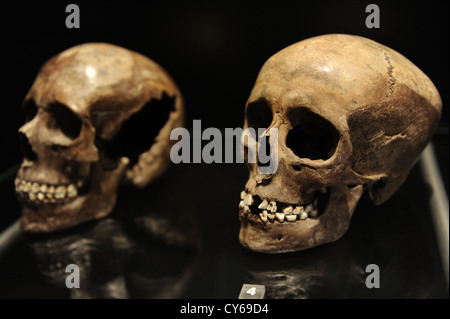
point(352, 115)
point(97, 116)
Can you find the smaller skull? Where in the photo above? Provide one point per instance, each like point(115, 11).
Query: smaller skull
point(97, 115)
point(352, 116)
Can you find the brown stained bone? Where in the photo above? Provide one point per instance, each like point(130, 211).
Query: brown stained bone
point(352, 115)
point(84, 95)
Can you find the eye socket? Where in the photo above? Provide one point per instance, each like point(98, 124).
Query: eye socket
point(67, 121)
point(30, 109)
point(259, 114)
point(313, 136)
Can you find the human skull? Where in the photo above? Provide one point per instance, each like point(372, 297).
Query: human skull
point(352, 116)
point(97, 115)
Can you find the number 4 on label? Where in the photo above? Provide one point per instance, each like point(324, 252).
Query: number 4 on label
point(252, 291)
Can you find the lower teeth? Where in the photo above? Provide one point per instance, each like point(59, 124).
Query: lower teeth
point(291, 218)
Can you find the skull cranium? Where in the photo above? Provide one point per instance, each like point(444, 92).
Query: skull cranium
point(97, 115)
point(352, 116)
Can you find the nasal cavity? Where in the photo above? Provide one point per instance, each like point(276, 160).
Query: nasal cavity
point(25, 147)
point(312, 136)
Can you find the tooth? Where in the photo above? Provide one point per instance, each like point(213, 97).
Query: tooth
point(49, 195)
point(279, 217)
point(16, 182)
point(272, 206)
point(248, 200)
point(288, 210)
point(60, 192)
point(263, 205)
point(303, 215)
point(298, 210)
point(72, 191)
point(308, 208)
point(32, 196)
point(241, 204)
point(313, 213)
point(27, 187)
point(35, 187)
point(291, 218)
point(79, 184)
point(40, 196)
point(43, 188)
point(263, 216)
point(271, 216)
point(51, 189)
point(243, 193)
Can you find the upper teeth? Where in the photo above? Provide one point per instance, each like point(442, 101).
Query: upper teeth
point(263, 204)
point(44, 192)
point(248, 199)
point(272, 207)
point(269, 210)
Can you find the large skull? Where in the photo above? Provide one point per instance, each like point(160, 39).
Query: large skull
point(97, 115)
point(352, 116)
